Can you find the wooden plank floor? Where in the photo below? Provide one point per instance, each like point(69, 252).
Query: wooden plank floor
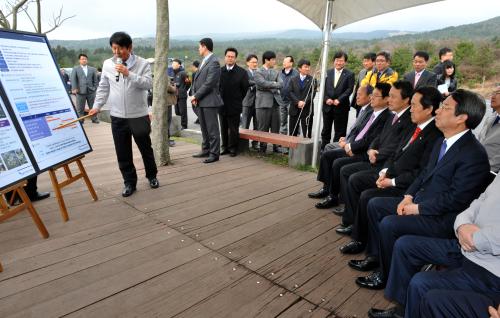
point(238, 238)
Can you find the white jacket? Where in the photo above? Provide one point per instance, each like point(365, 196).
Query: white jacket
point(127, 98)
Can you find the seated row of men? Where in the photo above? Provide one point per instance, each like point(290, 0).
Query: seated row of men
point(405, 170)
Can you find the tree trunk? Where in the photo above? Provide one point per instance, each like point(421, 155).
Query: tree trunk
point(159, 127)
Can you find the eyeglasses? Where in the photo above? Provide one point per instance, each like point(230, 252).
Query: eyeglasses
point(444, 107)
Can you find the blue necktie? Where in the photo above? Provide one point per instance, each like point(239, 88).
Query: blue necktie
point(495, 121)
point(442, 151)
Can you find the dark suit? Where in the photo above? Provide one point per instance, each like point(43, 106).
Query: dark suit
point(363, 174)
point(205, 89)
point(301, 91)
point(337, 115)
point(182, 83)
point(427, 78)
point(86, 86)
point(333, 160)
point(409, 160)
point(233, 88)
point(442, 190)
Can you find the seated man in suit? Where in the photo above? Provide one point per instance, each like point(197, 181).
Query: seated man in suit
point(382, 148)
point(421, 77)
point(489, 136)
point(457, 172)
point(472, 262)
point(352, 149)
point(398, 172)
point(301, 94)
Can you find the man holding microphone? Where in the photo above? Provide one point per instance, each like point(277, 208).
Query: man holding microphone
point(125, 81)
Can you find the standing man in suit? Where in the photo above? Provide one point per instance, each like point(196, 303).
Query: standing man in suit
point(489, 136)
point(352, 149)
point(445, 54)
point(287, 74)
point(268, 99)
point(194, 69)
point(248, 113)
point(368, 65)
point(84, 85)
point(381, 149)
point(181, 82)
point(457, 172)
point(339, 86)
point(421, 77)
point(233, 88)
point(206, 96)
point(301, 94)
point(398, 172)
point(124, 86)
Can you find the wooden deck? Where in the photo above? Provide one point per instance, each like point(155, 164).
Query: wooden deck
point(238, 238)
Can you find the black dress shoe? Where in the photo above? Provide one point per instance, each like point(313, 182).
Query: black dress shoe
point(225, 152)
point(201, 155)
point(95, 121)
point(353, 247)
point(153, 183)
point(364, 265)
point(211, 159)
point(394, 312)
point(344, 230)
point(322, 193)
point(40, 196)
point(327, 203)
point(338, 211)
point(373, 281)
point(128, 190)
point(233, 154)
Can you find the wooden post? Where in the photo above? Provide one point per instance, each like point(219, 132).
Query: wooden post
point(70, 178)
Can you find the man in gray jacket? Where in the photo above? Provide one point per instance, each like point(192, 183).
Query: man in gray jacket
point(206, 96)
point(268, 98)
point(248, 113)
point(84, 83)
point(124, 85)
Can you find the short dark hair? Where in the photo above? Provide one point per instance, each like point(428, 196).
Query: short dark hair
point(340, 54)
point(120, 38)
point(208, 43)
point(384, 88)
point(443, 51)
point(470, 104)
point(268, 55)
point(431, 97)
point(405, 88)
point(291, 58)
point(231, 49)
point(196, 63)
point(385, 54)
point(422, 54)
point(303, 62)
point(178, 61)
point(252, 56)
point(82, 54)
point(448, 64)
point(370, 56)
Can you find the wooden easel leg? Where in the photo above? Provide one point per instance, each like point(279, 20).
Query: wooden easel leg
point(87, 180)
point(32, 211)
point(59, 196)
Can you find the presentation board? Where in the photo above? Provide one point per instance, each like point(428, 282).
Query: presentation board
point(37, 101)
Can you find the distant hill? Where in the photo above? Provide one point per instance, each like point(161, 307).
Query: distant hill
point(475, 31)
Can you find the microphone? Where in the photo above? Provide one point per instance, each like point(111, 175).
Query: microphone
point(118, 62)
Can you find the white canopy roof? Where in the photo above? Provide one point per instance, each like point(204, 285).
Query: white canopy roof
point(349, 11)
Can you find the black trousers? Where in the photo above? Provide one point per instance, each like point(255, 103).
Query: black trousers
point(305, 125)
point(362, 173)
point(248, 115)
point(229, 132)
point(123, 130)
point(432, 293)
point(330, 164)
point(339, 121)
point(181, 110)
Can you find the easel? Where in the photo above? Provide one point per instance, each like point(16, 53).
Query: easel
point(7, 210)
point(70, 178)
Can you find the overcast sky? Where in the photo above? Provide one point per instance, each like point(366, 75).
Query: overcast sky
point(100, 18)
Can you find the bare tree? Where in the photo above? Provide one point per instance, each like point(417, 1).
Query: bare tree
point(159, 127)
point(13, 9)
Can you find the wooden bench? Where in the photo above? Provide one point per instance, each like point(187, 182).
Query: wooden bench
point(300, 152)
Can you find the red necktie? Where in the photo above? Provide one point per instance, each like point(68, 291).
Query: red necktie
point(415, 134)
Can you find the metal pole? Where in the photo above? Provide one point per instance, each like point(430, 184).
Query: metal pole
point(324, 63)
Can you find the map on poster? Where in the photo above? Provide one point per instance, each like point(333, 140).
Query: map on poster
point(15, 165)
point(36, 94)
